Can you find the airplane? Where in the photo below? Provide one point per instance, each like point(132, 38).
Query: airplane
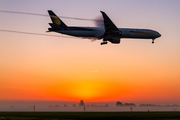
point(110, 33)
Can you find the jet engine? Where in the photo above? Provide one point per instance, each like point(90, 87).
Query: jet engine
point(115, 41)
point(112, 40)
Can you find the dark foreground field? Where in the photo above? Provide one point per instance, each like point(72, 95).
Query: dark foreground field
point(89, 115)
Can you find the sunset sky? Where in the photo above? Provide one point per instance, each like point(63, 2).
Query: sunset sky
point(34, 67)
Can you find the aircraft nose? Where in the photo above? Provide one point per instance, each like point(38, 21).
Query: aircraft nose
point(158, 34)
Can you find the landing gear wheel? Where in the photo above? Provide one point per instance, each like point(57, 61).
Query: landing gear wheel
point(103, 43)
point(153, 41)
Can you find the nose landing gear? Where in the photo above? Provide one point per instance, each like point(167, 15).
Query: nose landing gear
point(152, 41)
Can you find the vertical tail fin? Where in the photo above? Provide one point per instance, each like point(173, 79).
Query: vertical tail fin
point(56, 20)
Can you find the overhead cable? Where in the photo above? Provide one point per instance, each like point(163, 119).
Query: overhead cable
point(30, 33)
point(43, 15)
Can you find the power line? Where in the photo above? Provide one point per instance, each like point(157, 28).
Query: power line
point(43, 15)
point(29, 33)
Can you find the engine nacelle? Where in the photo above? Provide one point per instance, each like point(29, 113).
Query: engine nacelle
point(115, 41)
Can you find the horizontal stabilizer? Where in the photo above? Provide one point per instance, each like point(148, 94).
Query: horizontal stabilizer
point(54, 26)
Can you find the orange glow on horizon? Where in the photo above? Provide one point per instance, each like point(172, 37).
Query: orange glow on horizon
point(88, 91)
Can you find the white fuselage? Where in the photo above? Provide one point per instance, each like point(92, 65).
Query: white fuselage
point(95, 32)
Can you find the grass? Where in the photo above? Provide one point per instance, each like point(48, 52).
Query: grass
point(89, 115)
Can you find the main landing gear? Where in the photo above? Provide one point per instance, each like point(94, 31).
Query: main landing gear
point(152, 41)
point(104, 42)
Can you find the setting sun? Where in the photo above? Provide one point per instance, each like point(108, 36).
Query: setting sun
point(89, 91)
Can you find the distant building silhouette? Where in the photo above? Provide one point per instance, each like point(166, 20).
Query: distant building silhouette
point(119, 103)
point(56, 106)
point(129, 104)
point(171, 105)
point(148, 105)
point(92, 105)
point(106, 105)
point(81, 103)
point(12, 106)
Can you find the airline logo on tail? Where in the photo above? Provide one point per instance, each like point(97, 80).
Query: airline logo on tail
point(56, 20)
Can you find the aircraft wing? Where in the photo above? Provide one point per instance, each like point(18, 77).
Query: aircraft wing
point(110, 27)
point(112, 33)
